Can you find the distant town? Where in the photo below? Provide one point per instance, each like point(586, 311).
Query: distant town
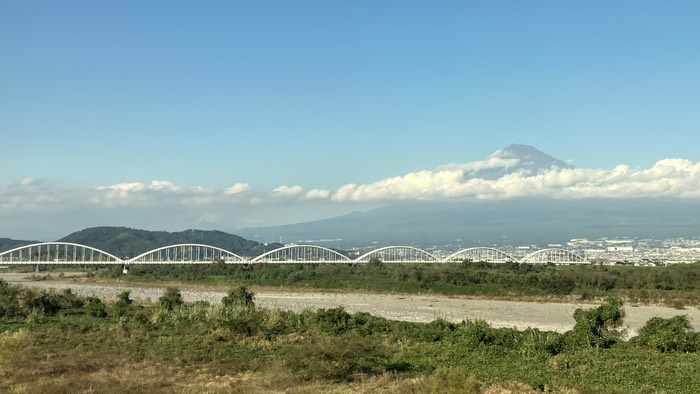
point(604, 251)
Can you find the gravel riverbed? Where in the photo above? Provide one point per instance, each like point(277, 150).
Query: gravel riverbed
point(409, 307)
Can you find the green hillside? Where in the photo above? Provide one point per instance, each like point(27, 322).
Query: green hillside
point(127, 242)
point(7, 243)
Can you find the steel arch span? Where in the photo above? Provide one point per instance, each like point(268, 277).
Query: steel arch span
point(399, 254)
point(57, 253)
point(478, 254)
point(555, 255)
point(186, 254)
point(302, 254)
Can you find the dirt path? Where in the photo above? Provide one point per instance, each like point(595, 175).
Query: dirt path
point(414, 308)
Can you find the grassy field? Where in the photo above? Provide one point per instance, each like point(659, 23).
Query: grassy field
point(58, 342)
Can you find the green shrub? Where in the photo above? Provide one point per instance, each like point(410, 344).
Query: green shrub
point(597, 327)
point(123, 299)
point(475, 333)
point(436, 330)
point(96, 308)
point(333, 321)
point(171, 299)
point(123, 302)
point(366, 324)
point(68, 300)
point(43, 302)
point(9, 300)
point(239, 296)
point(533, 343)
point(668, 335)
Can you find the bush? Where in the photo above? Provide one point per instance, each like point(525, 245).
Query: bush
point(239, 296)
point(9, 300)
point(171, 299)
point(597, 327)
point(68, 300)
point(96, 308)
point(123, 303)
point(436, 330)
point(474, 333)
point(668, 335)
point(333, 321)
point(47, 303)
point(366, 324)
point(123, 299)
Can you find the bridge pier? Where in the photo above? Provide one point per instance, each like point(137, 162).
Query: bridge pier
point(125, 270)
point(37, 268)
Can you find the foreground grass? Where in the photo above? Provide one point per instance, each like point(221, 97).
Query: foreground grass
point(58, 342)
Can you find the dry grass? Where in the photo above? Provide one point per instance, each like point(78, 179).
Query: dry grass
point(23, 372)
point(156, 379)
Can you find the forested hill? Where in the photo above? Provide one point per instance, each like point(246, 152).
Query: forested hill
point(7, 243)
point(127, 242)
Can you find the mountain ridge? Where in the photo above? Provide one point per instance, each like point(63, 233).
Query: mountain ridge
point(127, 242)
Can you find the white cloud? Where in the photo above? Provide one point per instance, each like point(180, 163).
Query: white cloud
point(493, 162)
point(417, 185)
point(237, 189)
point(163, 186)
point(667, 178)
point(159, 205)
point(28, 181)
point(318, 194)
point(162, 204)
point(124, 187)
point(288, 191)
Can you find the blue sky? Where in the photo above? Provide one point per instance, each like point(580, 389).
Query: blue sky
point(322, 94)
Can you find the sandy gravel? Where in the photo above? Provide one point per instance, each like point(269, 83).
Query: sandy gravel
point(414, 308)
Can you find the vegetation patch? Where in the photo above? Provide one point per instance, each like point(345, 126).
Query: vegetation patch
point(677, 285)
point(59, 342)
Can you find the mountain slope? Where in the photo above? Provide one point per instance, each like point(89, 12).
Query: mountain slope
point(7, 243)
point(523, 221)
point(127, 242)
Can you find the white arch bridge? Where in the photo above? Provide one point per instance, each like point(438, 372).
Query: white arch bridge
point(66, 253)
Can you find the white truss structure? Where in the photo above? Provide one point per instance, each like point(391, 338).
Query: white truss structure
point(70, 253)
point(399, 254)
point(555, 256)
point(481, 254)
point(57, 253)
point(187, 254)
point(302, 254)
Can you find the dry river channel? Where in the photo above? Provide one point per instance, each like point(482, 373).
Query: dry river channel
point(407, 307)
